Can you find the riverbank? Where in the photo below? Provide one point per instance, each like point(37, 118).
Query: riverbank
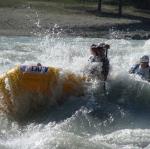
point(50, 18)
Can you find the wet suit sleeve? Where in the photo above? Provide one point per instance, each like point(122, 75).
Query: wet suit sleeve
point(133, 68)
point(91, 59)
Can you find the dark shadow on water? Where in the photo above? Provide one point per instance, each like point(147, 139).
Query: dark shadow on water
point(55, 113)
point(109, 115)
point(105, 112)
point(114, 116)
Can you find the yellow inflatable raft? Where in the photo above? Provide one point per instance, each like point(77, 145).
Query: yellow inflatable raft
point(30, 88)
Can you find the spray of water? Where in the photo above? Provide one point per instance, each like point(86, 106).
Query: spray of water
point(92, 121)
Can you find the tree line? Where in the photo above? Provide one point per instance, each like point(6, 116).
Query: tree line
point(142, 4)
point(120, 5)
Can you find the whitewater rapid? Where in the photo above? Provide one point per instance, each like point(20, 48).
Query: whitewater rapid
point(119, 120)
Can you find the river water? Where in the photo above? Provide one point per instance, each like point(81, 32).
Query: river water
point(117, 119)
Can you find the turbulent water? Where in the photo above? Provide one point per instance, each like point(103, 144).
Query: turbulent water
point(117, 119)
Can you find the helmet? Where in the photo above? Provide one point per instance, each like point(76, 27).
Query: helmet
point(95, 49)
point(100, 46)
point(93, 46)
point(144, 59)
point(99, 49)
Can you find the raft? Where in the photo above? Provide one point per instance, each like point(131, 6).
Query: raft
point(25, 89)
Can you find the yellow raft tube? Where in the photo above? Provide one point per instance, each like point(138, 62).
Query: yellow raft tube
point(26, 89)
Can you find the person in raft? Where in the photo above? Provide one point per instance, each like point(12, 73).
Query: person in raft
point(99, 59)
point(142, 68)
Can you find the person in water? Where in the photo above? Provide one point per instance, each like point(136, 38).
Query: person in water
point(99, 55)
point(142, 69)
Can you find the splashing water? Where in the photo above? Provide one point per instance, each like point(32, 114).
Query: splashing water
point(119, 120)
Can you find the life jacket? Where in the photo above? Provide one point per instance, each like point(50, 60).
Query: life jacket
point(136, 70)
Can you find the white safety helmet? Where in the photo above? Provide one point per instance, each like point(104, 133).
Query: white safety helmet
point(144, 59)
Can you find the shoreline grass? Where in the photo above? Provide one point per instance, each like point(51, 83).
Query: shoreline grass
point(71, 7)
point(18, 16)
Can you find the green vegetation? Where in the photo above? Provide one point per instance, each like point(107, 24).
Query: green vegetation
point(44, 3)
point(52, 5)
point(56, 1)
point(10, 3)
point(80, 16)
point(57, 7)
point(143, 4)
